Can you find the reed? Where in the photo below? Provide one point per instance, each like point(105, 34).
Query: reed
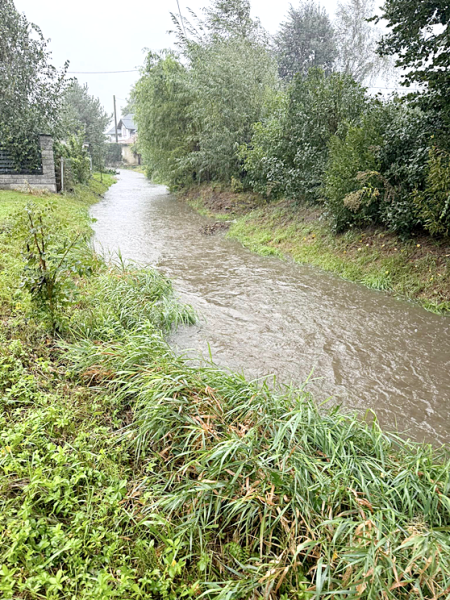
point(265, 495)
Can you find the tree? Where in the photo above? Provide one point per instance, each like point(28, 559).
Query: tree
point(232, 80)
point(209, 98)
point(306, 39)
point(128, 108)
point(223, 19)
point(84, 114)
point(231, 18)
point(357, 41)
point(31, 89)
point(162, 100)
point(419, 38)
point(289, 150)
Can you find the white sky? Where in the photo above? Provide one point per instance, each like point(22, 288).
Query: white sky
point(110, 35)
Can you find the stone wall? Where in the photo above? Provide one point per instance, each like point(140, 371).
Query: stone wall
point(46, 181)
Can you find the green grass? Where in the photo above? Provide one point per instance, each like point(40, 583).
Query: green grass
point(125, 472)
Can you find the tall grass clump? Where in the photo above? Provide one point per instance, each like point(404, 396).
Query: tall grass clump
point(256, 494)
point(122, 297)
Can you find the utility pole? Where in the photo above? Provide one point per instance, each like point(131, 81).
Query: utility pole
point(115, 119)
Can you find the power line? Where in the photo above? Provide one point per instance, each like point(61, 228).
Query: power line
point(181, 17)
point(100, 72)
point(377, 87)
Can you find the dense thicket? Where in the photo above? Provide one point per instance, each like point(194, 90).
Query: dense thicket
point(291, 157)
point(225, 109)
point(196, 107)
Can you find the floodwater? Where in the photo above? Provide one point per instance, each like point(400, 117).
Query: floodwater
point(262, 315)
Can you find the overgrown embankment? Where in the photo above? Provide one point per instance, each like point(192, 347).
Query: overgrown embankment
point(127, 473)
point(417, 269)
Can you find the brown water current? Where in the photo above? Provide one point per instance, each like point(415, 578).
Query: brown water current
point(262, 315)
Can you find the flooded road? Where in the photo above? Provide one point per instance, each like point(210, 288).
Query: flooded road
point(265, 316)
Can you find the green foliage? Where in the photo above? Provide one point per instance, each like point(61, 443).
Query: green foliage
point(232, 80)
point(418, 37)
point(51, 261)
point(193, 112)
point(85, 117)
point(352, 177)
point(230, 18)
point(162, 100)
point(263, 158)
point(289, 151)
point(76, 161)
point(113, 154)
point(305, 40)
point(118, 299)
point(376, 172)
point(31, 89)
point(433, 203)
point(320, 106)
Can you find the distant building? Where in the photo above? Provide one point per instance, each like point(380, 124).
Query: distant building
point(126, 137)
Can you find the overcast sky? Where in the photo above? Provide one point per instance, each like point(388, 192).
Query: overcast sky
point(110, 35)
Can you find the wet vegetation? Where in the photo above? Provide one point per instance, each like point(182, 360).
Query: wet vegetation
point(126, 472)
point(291, 118)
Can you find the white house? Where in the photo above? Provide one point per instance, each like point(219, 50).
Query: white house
point(126, 137)
point(126, 130)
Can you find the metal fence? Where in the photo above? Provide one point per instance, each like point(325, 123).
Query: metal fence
point(11, 165)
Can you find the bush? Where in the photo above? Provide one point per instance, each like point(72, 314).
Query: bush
point(76, 159)
point(53, 259)
point(404, 163)
point(264, 157)
point(289, 151)
point(375, 172)
point(113, 154)
point(352, 178)
point(433, 204)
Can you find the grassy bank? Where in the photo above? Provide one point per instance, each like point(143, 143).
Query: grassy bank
point(417, 269)
point(126, 473)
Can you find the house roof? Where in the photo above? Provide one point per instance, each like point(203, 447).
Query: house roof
point(112, 131)
point(128, 121)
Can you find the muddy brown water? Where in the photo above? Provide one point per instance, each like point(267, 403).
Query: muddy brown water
point(262, 315)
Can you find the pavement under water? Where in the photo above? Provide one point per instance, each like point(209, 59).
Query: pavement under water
point(266, 316)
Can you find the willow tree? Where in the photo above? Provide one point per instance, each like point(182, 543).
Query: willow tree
point(231, 74)
point(162, 102)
